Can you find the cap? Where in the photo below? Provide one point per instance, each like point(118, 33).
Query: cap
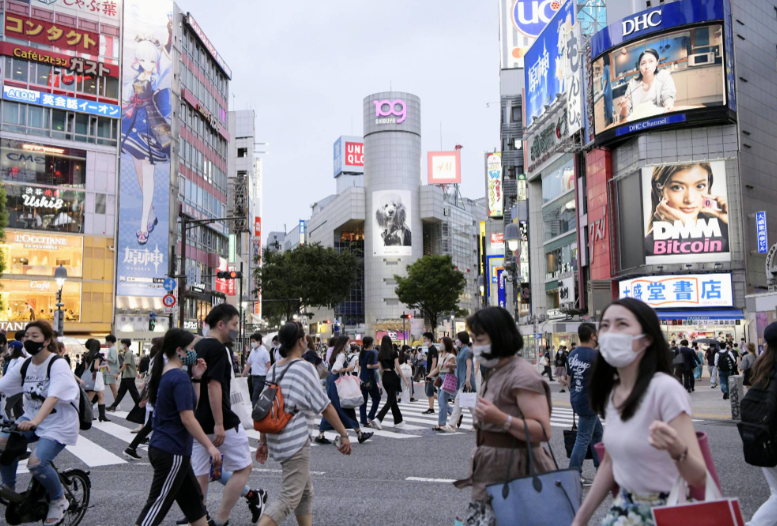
point(770, 334)
point(15, 345)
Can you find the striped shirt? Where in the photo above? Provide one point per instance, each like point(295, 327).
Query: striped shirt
point(302, 395)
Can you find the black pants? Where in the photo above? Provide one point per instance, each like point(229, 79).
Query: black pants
point(689, 381)
point(391, 386)
point(14, 406)
point(174, 481)
point(127, 384)
point(141, 436)
point(549, 371)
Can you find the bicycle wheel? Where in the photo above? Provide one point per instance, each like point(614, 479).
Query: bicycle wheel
point(77, 488)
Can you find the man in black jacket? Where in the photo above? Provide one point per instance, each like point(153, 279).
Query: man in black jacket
point(690, 362)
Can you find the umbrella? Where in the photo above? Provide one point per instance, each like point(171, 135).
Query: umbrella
point(72, 346)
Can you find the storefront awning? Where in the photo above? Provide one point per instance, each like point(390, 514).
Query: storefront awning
point(710, 314)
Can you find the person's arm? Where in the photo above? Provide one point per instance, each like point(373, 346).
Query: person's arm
point(113, 357)
point(195, 430)
point(214, 398)
point(536, 414)
point(198, 370)
point(467, 383)
point(678, 439)
point(247, 369)
point(603, 483)
point(717, 355)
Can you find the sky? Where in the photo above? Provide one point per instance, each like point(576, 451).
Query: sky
point(305, 67)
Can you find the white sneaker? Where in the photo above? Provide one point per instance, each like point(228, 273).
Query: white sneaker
point(400, 425)
point(376, 424)
point(57, 511)
point(449, 429)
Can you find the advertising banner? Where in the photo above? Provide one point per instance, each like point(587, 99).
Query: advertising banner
point(392, 212)
point(642, 81)
point(686, 291)
point(554, 67)
point(521, 21)
point(144, 176)
point(444, 167)
point(494, 191)
point(762, 234)
point(348, 155)
point(498, 241)
point(502, 290)
point(48, 100)
point(685, 209)
point(51, 34)
point(566, 291)
point(396, 336)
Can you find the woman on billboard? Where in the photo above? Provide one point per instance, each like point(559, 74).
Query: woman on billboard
point(652, 92)
point(685, 217)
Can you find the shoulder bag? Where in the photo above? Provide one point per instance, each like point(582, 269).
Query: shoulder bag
point(570, 437)
point(560, 493)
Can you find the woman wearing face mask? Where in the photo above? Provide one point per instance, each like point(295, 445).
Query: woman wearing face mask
point(649, 436)
point(93, 377)
point(174, 397)
point(50, 416)
point(513, 395)
point(465, 373)
point(446, 366)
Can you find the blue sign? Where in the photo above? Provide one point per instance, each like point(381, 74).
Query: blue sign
point(652, 123)
point(301, 226)
point(660, 18)
point(761, 233)
point(545, 57)
point(531, 16)
point(502, 288)
point(59, 102)
point(169, 284)
point(338, 156)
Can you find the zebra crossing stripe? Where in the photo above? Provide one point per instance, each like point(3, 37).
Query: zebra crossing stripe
point(92, 454)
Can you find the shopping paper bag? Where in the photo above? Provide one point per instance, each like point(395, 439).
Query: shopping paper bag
point(715, 510)
point(240, 401)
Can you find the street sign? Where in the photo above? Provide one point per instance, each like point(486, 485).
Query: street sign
point(157, 280)
point(169, 310)
point(169, 300)
point(169, 284)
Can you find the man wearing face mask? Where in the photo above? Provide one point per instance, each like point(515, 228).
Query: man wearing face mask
point(431, 363)
point(589, 427)
point(257, 364)
point(127, 372)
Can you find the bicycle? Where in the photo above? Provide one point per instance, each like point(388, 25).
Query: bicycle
point(33, 504)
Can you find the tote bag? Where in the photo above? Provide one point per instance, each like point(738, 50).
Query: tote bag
point(349, 391)
point(239, 399)
point(715, 510)
point(451, 384)
point(560, 493)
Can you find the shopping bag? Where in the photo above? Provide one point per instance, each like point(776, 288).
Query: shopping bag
point(715, 510)
point(240, 401)
point(570, 437)
point(451, 384)
point(349, 391)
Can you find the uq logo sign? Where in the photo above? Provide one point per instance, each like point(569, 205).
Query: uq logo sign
point(390, 112)
point(531, 16)
point(640, 23)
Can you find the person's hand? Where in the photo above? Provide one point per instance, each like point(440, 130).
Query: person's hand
point(721, 212)
point(664, 437)
point(80, 381)
point(28, 425)
point(198, 369)
point(261, 453)
point(219, 434)
point(142, 403)
point(486, 411)
point(115, 376)
point(664, 212)
point(467, 384)
point(215, 456)
point(345, 446)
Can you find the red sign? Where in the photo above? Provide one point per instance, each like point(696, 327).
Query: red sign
point(105, 7)
point(258, 227)
point(598, 174)
point(221, 284)
point(498, 239)
point(51, 34)
point(231, 284)
point(354, 154)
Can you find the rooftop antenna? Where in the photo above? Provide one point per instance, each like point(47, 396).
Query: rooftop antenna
point(440, 135)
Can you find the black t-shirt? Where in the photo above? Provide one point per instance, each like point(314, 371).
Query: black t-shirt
point(219, 369)
point(389, 364)
point(431, 356)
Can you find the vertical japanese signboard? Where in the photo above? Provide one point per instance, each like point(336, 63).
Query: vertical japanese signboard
point(144, 175)
point(763, 237)
point(494, 191)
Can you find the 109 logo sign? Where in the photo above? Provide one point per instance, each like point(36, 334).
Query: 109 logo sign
point(397, 108)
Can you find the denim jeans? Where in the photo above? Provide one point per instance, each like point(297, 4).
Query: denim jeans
point(443, 397)
point(589, 432)
point(724, 380)
point(258, 385)
point(45, 451)
point(374, 395)
point(347, 416)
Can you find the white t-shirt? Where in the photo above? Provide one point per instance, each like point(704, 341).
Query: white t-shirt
point(259, 359)
point(341, 362)
point(62, 424)
point(637, 466)
point(15, 362)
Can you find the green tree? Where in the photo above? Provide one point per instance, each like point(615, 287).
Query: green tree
point(308, 276)
point(3, 225)
point(433, 286)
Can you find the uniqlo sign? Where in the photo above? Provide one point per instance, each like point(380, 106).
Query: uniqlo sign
point(354, 154)
point(258, 227)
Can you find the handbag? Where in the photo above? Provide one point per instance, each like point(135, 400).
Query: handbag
point(570, 437)
point(322, 370)
point(560, 493)
point(86, 376)
point(240, 399)
point(349, 392)
point(451, 384)
point(715, 510)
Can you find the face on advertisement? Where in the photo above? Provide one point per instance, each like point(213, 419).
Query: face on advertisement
point(648, 65)
point(683, 192)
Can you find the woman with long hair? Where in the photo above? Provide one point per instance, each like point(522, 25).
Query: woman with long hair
point(368, 365)
point(651, 92)
point(175, 396)
point(338, 366)
point(513, 396)
point(747, 364)
point(764, 372)
point(93, 377)
point(50, 416)
point(388, 362)
point(446, 366)
point(649, 437)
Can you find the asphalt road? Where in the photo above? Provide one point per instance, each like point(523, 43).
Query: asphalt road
point(372, 486)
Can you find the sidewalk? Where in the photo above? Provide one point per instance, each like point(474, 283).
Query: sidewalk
point(706, 403)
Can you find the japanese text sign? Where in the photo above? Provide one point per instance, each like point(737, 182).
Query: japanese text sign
point(494, 180)
point(687, 291)
point(108, 8)
point(60, 102)
point(51, 34)
point(763, 237)
point(208, 45)
point(77, 65)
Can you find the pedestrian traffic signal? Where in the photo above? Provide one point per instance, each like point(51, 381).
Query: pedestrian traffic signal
point(229, 274)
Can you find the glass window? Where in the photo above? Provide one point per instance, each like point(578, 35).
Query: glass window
point(105, 131)
point(82, 127)
point(38, 254)
point(38, 117)
point(26, 300)
point(43, 75)
point(11, 112)
point(111, 90)
point(99, 203)
point(90, 85)
point(45, 208)
point(19, 70)
point(39, 164)
point(560, 217)
point(558, 182)
point(560, 261)
point(58, 123)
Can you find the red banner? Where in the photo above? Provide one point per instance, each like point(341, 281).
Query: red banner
point(51, 34)
point(258, 227)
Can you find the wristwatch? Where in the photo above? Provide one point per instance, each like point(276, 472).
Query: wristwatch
point(507, 424)
point(196, 380)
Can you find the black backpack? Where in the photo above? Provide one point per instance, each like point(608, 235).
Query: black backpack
point(144, 363)
point(726, 362)
point(84, 408)
point(758, 426)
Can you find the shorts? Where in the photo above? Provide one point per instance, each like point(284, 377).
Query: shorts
point(296, 494)
point(429, 388)
point(237, 456)
point(108, 379)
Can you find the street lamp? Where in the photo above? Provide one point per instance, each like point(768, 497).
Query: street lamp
point(512, 236)
point(60, 276)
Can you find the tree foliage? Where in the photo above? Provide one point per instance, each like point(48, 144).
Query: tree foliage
point(433, 286)
point(308, 276)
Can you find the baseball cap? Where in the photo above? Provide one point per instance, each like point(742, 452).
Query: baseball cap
point(770, 334)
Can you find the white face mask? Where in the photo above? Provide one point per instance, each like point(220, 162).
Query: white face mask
point(205, 329)
point(254, 345)
point(425, 345)
point(479, 351)
point(617, 349)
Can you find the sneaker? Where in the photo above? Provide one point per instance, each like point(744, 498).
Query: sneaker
point(364, 437)
point(563, 391)
point(256, 499)
point(376, 424)
point(449, 429)
point(412, 399)
point(725, 396)
point(137, 430)
point(428, 412)
point(322, 440)
point(586, 483)
point(399, 425)
point(131, 454)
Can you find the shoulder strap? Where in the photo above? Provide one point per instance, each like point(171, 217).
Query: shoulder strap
point(283, 373)
point(26, 366)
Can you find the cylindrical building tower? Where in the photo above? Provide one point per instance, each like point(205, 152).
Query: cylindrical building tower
point(392, 180)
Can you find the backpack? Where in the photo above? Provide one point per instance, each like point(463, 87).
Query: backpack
point(726, 362)
point(84, 408)
point(144, 364)
point(679, 359)
point(757, 428)
point(269, 413)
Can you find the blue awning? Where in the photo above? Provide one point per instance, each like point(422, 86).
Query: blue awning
point(711, 314)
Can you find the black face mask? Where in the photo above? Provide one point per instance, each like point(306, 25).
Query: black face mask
point(32, 347)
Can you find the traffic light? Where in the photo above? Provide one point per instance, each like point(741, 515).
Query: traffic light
point(229, 274)
point(407, 316)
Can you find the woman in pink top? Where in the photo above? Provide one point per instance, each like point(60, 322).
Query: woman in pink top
point(649, 436)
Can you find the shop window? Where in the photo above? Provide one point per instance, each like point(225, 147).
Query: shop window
point(45, 208)
point(39, 254)
point(109, 87)
point(28, 300)
point(558, 182)
point(99, 203)
point(39, 164)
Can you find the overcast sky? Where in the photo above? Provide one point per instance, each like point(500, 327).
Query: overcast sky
point(305, 66)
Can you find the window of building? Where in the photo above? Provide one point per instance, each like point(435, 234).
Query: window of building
point(40, 253)
point(45, 208)
point(558, 182)
point(28, 300)
point(24, 162)
point(99, 203)
point(59, 124)
point(559, 217)
point(560, 261)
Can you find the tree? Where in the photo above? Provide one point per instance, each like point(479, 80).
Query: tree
point(433, 286)
point(308, 276)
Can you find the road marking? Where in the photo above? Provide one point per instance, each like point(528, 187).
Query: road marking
point(267, 470)
point(93, 455)
point(421, 479)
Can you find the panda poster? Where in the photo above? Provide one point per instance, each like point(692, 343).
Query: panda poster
point(391, 215)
